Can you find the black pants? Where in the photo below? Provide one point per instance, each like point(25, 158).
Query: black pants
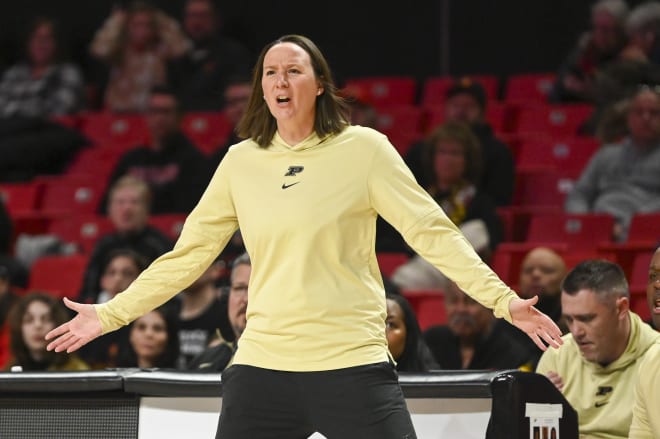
point(360, 402)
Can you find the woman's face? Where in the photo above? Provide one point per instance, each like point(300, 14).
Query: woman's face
point(290, 86)
point(41, 47)
point(37, 322)
point(448, 162)
point(149, 336)
point(119, 274)
point(395, 329)
point(140, 29)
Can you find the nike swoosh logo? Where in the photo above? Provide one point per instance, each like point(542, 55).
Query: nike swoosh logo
point(600, 404)
point(286, 186)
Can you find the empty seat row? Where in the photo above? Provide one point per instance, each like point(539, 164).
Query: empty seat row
point(388, 90)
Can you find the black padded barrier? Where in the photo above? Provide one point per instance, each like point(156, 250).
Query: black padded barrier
point(106, 404)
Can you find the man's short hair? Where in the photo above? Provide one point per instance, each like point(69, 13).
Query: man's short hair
point(606, 279)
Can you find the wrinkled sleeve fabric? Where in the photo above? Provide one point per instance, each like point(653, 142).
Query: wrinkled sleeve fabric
point(397, 197)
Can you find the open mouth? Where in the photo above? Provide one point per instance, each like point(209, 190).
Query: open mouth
point(656, 305)
point(282, 99)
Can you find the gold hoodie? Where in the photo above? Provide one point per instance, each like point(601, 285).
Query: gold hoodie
point(307, 214)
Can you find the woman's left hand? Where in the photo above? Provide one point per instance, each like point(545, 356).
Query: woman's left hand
point(534, 323)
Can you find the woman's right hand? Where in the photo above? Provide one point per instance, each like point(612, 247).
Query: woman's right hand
point(78, 331)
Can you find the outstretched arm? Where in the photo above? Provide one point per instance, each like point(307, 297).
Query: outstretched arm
point(75, 333)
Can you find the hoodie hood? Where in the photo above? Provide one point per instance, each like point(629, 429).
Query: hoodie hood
point(311, 141)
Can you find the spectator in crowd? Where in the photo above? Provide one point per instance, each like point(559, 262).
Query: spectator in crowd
point(541, 273)
point(152, 340)
point(466, 103)
point(43, 84)
point(236, 97)
point(219, 353)
point(622, 179)
point(199, 314)
point(174, 169)
point(638, 63)
point(135, 44)
point(32, 316)
point(643, 29)
point(453, 158)
point(200, 76)
point(473, 338)
point(128, 209)
point(7, 299)
point(596, 366)
point(576, 76)
point(645, 423)
point(404, 338)
point(120, 268)
point(653, 289)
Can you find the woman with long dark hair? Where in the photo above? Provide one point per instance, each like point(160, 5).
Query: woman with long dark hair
point(305, 187)
point(404, 337)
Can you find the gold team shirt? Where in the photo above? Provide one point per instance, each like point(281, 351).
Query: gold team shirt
point(645, 420)
point(602, 396)
point(307, 214)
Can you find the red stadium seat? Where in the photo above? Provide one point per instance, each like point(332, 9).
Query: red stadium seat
point(58, 275)
point(582, 232)
point(557, 120)
point(435, 88)
point(533, 87)
point(118, 130)
point(84, 230)
point(645, 227)
point(207, 130)
point(429, 307)
point(516, 219)
point(390, 261)
point(169, 224)
point(21, 197)
point(570, 155)
point(63, 196)
point(541, 187)
point(96, 161)
point(402, 124)
point(383, 90)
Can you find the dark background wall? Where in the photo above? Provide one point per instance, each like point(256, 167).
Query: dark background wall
point(418, 38)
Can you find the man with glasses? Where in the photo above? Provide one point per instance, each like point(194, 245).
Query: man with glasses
point(218, 356)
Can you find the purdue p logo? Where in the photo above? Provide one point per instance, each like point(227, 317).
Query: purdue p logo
point(293, 170)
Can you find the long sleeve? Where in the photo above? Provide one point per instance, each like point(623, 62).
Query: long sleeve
point(580, 199)
point(398, 198)
point(206, 231)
